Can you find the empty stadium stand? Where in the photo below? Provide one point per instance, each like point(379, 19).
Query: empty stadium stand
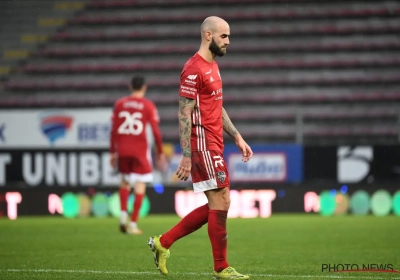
point(27, 24)
point(307, 71)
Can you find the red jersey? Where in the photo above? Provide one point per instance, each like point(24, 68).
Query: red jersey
point(200, 80)
point(129, 121)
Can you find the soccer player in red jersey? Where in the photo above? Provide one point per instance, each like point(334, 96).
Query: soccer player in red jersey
point(130, 151)
point(202, 120)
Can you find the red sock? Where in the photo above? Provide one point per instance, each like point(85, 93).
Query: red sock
point(218, 237)
point(136, 207)
point(123, 198)
point(190, 223)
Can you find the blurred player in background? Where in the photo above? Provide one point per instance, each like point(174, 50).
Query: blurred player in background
point(130, 148)
point(202, 120)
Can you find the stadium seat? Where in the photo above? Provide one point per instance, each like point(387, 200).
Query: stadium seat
point(119, 49)
point(332, 65)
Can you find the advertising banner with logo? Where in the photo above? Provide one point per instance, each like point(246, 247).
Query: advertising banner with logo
point(352, 164)
point(58, 147)
point(270, 163)
point(69, 147)
point(247, 200)
point(44, 167)
point(62, 128)
point(66, 168)
point(91, 167)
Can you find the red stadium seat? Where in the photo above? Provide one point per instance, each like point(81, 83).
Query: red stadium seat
point(288, 63)
point(310, 29)
point(267, 14)
point(336, 61)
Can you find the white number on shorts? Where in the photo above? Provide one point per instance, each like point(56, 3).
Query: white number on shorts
point(132, 124)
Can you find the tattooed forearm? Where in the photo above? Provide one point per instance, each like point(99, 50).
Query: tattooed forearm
point(185, 124)
point(228, 125)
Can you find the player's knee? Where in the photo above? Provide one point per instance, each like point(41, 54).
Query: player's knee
point(226, 199)
point(223, 203)
point(140, 188)
point(219, 199)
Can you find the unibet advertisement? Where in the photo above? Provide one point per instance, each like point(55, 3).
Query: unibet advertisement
point(247, 201)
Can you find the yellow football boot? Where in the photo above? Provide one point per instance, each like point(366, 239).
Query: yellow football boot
point(229, 273)
point(160, 253)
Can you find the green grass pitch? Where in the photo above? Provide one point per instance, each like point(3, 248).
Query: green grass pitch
point(280, 247)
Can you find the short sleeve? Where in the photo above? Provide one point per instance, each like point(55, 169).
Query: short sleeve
point(191, 83)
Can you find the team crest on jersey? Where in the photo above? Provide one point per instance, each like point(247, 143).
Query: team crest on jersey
point(221, 176)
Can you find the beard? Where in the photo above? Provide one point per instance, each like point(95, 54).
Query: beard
point(215, 49)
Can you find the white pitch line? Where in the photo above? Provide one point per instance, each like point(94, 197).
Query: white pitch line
point(79, 271)
point(185, 273)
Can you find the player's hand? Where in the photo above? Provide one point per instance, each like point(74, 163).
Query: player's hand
point(161, 162)
point(247, 153)
point(184, 167)
point(113, 160)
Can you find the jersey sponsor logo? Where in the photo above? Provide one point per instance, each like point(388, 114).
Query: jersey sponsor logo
point(190, 78)
point(216, 92)
point(55, 126)
point(209, 72)
point(218, 160)
point(188, 90)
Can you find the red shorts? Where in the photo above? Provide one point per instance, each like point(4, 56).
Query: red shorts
point(209, 171)
point(138, 165)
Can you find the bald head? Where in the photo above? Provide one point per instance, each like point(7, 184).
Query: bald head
point(213, 24)
point(214, 37)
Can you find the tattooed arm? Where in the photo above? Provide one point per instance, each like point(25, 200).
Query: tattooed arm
point(186, 107)
point(230, 129)
point(228, 125)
